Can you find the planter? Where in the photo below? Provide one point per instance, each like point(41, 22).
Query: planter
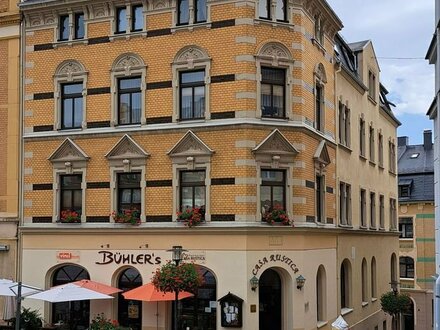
point(131, 217)
point(68, 216)
point(190, 217)
point(277, 216)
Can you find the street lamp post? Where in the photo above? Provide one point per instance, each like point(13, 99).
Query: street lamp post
point(176, 254)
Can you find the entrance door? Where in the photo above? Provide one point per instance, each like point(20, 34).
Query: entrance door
point(270, 299)
point(129, 311)
point(408, 318)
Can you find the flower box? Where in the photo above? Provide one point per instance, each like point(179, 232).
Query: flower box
point(127, 216)
point(190, 217)
point(277, 216)
point(68, 216)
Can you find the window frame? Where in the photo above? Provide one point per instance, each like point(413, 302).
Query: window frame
point(405, 222)
point(271, 184)
point(134, 20)
point(271, 12)
point(320, 198)
point(381, 154)
point(132, 187)
point(72, 97)
point(372, 210)
point(273, 83)
point(393, 214)
point(72, 27)
point(120, 20)
point(62, 30)
point(372, 144)
point(73, 188)
point(363, 208)
point(372, 85)
point(192, 86)
point(193, 185)
point(131, 92)
point(362, 137)
point(345, 210)
point(381, 212)
point(407, 266)
point(319, 107)
point(76, 17)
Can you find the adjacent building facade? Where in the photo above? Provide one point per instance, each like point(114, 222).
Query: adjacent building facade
point(233, 108)
point(416, 226)
point(9, 138)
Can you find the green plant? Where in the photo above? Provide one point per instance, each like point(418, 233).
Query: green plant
point(191, 216)
point(70, 216)
point(277, 215)
point(127, 216)
point(395, 303)
point(100, 322)
point(29, 319)
point(172, 278)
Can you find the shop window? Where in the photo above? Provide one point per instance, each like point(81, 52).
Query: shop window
point(129, 101)
point(406, 267)
point(406, 227)
point(65, 32)
point(72, 314)
point(273, 92)
point(129, 192)
point(71, 105)
point(345, 203)
point(345, 284)
point(192, 95)
point(192, 190)
point(129, 311)
point(364, 281)
point(71, 193)
point(272, 190)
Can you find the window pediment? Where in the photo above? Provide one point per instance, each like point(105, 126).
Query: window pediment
point(126, 148)
point(275, 52)
point(190, 54)
point(70, 69)
point(321, 157)
point(128, 63)
point(68, 151)
point(275, 149)
point(320, 73)
point(190, 145)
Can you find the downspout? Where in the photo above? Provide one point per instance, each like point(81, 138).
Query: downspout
point(437, 187)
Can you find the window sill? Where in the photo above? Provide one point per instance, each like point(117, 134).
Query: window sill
point(364, 303)
point(123, 126)
point(362, 157)
point(345, 311)
point(127, 35)
point(372, 163)
point(321, 324)
point(392, 173)
point(191, 120)
point(372, 228)
point(267, 21)
point(70, 129)
point(274, 118)
point(66, 43)
point(373, 299)
point(363, 227)
point(318, 45)
point(406, 239)
point(345, 147)
point(382, 228)
point(345, 226)
point(372, 100)
point(381, 167)
point(190, 27)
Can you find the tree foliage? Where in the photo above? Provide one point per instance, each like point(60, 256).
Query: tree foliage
point(395, 303)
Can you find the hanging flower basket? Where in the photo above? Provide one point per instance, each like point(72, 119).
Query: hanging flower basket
point(277, 216)
point(127, 216)
point(172, 278)
point(68, 216)
point(190, 217)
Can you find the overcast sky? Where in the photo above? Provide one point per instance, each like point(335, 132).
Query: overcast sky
point(401, 31)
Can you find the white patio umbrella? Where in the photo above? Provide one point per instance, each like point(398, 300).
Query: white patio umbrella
point(10, 308)
point(340, 324)
point(69, 292)
point(9, 288)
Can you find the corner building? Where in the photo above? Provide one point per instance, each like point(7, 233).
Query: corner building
point(228, 107)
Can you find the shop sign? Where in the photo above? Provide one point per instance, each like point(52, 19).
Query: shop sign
point(63, 256)
point(119, 258)
point(274, 258)
point(195, 257)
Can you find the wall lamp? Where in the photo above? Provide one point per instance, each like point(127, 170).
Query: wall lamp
point(300, 281)
point(254, 283)
point(4, 247)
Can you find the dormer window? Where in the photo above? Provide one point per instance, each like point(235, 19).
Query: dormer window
point(405, 187)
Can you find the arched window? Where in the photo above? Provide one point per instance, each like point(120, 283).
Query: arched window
point(321, 294)
point(406, 267)
point(345, 284)
point(129, 311)
point(192, 311)
point(364, 281)
point(373, 278)
point(270, 298)
point(74, 314)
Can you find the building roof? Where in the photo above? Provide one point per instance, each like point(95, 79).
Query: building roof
point(358, 45)
point(416, 168)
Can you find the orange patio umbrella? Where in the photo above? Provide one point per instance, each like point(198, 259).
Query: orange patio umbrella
point(96, 286)
point(148, 292)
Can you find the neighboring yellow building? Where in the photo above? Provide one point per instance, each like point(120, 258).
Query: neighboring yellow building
point(228, 107)
point(417, 228)
point(9, 137)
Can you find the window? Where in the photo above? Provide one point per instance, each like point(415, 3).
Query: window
point(64, 30)
point(406, 227)
point(129, 101)
point(406, 267)
point(192, 94)
point(273, 92)
point(319, 32)
point(121, 20)
point(183, 12)
point(371, 138)
point(381, 211)
point(71, 105)
point(380, 150)
point(64, 27)
point(371, 85)
point(344, 125)
point(272, 190)
point(414, 156)
point(404, 190)
point(320, 198)
point(373, 278)
point(345, 203)
point(392, 156)
point(393, 214)
point(320, 294)
point(345, 285)
point(364, 281)
point(372, 210)
point(363, 208)
point(265, 10)
point(71, 193)
point(129, 192)
point(137, 18)
point(319, 107)
point(193, 190)
point(362, 137)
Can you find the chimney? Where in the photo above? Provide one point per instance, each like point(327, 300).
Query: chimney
point(402, 141)
point(427, 139)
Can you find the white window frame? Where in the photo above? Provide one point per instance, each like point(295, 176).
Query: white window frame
point(71, 15)
point(276, 55)
point(191, 58)
point(191, 21)
point(128, 17)
point(125, 66)
point(273, 16)
point(345, 211)
point(320, 78)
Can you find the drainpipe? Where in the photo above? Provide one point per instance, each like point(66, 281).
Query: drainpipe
point(437, 303)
